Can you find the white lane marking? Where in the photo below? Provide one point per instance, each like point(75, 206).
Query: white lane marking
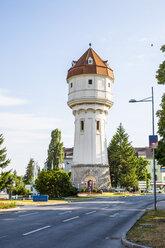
point(36, 230)
point(105, 208)
point(20, 211)
point(76, 217)
point(94, 211)
point(27, 214)
point(65, 212)
point(114, 215)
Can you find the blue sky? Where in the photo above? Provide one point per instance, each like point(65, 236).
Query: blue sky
point(38, 41)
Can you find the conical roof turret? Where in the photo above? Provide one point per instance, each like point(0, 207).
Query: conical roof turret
point(90, 63)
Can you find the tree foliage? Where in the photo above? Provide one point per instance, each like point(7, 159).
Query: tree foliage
point(55, 151)
point(141, 170)
point(125, 169)
point(3, 161)
point(55, 183)
point(4, 176)
point(160, 76)
point(20, 189)
point(160, 151)
point(29, 172)
point(121, 160)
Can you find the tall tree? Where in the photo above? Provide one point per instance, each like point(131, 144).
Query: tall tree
point(55, 151)
point(121, 160)
point(3, 161)
point(160, 76)
point(141, 170)
point(160, 151)
point(29, 172)
point(3, 164)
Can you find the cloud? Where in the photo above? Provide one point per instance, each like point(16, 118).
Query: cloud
point(27, 122)
point(8, 100)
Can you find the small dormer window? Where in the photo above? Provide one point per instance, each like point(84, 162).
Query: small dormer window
point(106, 62)
point(73, 63)
point(90, 81)
point(90, 61)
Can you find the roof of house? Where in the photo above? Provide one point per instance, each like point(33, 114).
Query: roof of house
point(139, 151)
point(98, 66)
point(143, 151)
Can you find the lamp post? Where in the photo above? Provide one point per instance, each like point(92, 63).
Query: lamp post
point(150, 99)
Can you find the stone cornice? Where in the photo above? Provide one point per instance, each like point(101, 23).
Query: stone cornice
point(90, 165)
point(81, 101)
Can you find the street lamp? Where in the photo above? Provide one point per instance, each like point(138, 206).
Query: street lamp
point(150, 99)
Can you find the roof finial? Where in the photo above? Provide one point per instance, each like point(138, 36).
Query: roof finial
point(90, 45)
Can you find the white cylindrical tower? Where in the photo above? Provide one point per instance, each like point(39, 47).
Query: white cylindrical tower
point(90, 97)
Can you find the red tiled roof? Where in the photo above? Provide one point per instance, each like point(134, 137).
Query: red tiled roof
point(97, 67)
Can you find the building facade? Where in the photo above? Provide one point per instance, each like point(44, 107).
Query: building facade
point(146, 153)
point(90, 82)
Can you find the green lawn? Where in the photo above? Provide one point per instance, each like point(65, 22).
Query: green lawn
point(8, 204)
point(149, 230)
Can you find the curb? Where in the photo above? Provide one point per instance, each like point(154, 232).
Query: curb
point(9, 209)
point(128, 244)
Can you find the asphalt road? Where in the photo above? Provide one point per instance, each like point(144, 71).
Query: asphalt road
point(93, 223)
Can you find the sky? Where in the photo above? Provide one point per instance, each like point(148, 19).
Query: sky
point(38, 41)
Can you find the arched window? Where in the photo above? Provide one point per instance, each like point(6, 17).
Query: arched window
point(90, 61)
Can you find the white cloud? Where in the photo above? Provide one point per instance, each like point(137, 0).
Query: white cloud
point(8, 100)
point(27, 122)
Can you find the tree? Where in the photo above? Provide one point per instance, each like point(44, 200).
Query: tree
point(3, 161)
point(160, 151)
point(29, 172)
point(55, 183)
point(160, 76)
point(55, 151)
point(121, 160)
point(20, 190)
point(3, 164)
point(141, 170)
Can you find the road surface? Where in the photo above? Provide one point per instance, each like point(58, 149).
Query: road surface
point(97, 223)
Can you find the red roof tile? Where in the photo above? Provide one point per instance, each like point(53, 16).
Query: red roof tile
point(97, 67)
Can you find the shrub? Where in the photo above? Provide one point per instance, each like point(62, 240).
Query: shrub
point(55, 183)
point(20, 190)
point(83, 190)
point(95, 190)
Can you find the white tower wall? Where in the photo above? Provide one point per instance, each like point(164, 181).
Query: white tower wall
point(90, 97)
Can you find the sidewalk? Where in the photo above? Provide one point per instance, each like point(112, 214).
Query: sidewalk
point(161, 205)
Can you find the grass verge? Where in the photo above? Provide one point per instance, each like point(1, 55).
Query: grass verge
point(149, 230)
point(6, 205)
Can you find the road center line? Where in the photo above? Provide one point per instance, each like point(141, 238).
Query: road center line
point(91, 212)
point(105, 207)
point(65, 212)
point(114, 215)
point(71, 219)
point(37, 230)
point(27, 214)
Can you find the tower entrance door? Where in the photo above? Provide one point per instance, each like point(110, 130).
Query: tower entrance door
point(90, 182)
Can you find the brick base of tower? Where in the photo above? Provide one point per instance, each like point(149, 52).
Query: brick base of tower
point(91, 176)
